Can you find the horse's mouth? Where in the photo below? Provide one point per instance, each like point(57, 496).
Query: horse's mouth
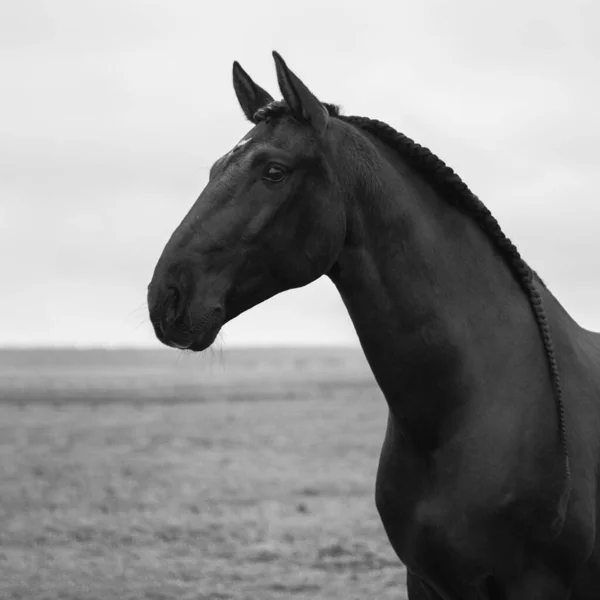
point(205, 340)
point(205, 328)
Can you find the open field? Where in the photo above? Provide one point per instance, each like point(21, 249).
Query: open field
point(246, 475)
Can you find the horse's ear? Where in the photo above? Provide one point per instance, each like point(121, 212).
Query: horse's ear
point(250, 95)
point(302, 102)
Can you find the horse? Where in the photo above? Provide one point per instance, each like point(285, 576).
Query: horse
point(487, 484)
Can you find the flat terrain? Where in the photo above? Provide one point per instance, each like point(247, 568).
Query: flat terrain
point(237, 475)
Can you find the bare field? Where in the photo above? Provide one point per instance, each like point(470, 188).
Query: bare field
point(132, 494)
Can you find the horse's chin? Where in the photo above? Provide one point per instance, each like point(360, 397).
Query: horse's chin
point(204, 341)
point(206, 325)
point(198, 343)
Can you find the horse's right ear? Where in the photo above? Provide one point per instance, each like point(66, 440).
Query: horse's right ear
point(250, 96)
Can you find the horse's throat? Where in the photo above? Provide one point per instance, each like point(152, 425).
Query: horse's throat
point(429, 332)
point(417, 352)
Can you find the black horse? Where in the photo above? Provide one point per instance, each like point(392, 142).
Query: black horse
point(488, 479)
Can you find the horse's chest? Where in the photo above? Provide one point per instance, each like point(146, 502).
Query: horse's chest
point(428, 525)
point(421, 526)
point(430, 528)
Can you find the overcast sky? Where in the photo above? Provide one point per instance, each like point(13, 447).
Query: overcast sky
point(113, 111)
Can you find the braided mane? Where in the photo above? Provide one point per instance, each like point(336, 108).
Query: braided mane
point(454, 190)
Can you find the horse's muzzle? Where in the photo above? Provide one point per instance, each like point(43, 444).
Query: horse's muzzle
point(179, 324)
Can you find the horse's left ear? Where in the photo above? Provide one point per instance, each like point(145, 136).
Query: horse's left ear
point(249, 94)
point(302, 102)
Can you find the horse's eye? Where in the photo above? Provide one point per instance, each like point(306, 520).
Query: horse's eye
point(274, 174)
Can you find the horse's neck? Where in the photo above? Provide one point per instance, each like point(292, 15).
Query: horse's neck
point(433, 305)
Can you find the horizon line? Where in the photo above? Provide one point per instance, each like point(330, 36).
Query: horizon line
point(257, 346)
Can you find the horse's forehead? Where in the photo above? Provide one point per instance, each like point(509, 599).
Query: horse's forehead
point(281, 137)
point(242, 142)
point(268, 135)
point(246, 139)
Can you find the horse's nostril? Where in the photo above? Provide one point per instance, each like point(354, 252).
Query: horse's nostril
point(173, 304)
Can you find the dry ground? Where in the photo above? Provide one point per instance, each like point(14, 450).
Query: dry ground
point(230, 497)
